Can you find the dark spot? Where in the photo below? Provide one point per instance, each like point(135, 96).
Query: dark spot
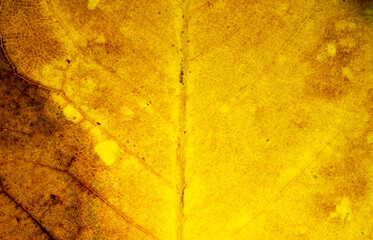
point(365, 4)
point(98, 123)
point(18, 220)
point(71, 161)
point(53, 197)
point(181, 77)
point(68, 61)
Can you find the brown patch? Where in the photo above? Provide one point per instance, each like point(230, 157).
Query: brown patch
point(328, 82)
point(26, 32)
point(96, 24)
point(40, 153)
point(344, 174)
point(365, 5)
point(48, 169)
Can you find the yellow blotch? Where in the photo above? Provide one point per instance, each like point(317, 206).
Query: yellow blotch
point(331, 49)
point(347, 42)
point(145, 105)
point(92, 4)
point(239, 220)
point(341, 25)
point(282, 9)
point(59, 99)
point(287, 175)
point(300, 230)
point(52, 77)
point(370, 137)
point(100, 39)
point(352, 26)
point(347, 72)
point(322, 56)
point(90, 84)
point(97, 133)
point(107, 151)
point(72, 114)
point(226, 108)
point(127, 114)
point(343, 210)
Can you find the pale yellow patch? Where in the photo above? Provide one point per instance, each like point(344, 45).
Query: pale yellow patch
point(341, 25)
point(343, 210)
point(300, 230)
point(94, 130)
point(97, 133)
point(286, 175)
point(322, 56)
point(347, 72)
point(126, 113)
point(100, 39)
point(226, 108)
point(90, 84)
point(331, 49)
point(107, 151)
point(52, 77)
point(352, 26)
point(59, 99)
point(281, 10)
point(370, 137)
point(347, 42)
point(240, 220)
point(92, 4)
point(71, 113)
point(145, 105)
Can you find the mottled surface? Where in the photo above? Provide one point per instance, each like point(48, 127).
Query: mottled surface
point(186, 120)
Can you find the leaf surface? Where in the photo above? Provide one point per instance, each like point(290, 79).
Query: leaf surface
point(186, 120)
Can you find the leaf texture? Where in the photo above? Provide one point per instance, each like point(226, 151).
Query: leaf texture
point(186, 119)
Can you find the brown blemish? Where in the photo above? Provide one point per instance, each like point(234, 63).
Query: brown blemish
point(327, 81)
point(47, 167)
point(96, 24)
point(26, 28)
point(345, 174)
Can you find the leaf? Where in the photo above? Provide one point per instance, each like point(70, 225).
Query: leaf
point(186, 120)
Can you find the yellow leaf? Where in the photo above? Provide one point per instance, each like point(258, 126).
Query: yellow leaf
point(181, 120)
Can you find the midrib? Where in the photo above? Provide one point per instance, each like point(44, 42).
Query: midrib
point(182, 118)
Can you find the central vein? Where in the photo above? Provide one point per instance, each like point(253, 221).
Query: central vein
point(182, 118)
